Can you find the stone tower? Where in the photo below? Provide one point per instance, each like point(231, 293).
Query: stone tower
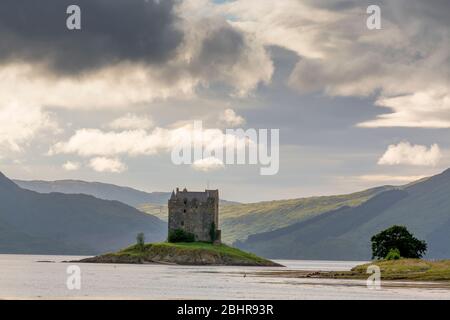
point(195, 212)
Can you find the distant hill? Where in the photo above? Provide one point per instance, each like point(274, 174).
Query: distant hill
point(239, 221)
point(57, 223)
point(105, 191)
point(100, 190)
point(344, 234)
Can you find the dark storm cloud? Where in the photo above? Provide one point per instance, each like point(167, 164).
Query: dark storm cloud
point(334, 4)
point(112, 31)
point(222, 46)
point(431, 10)
point(220, 49)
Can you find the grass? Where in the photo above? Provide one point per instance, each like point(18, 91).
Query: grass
point(409, 269)
point(402, 269)
point(192, 253)
point(186, 247)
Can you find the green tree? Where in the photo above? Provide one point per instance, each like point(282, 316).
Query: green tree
point(397, 237)
point(140, 241)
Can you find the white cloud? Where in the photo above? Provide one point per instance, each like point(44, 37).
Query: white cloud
point(95, 142)
point(92, 142)
point(131, 121)
point(19, 125)
point(71, 166)
point(103, 164)
point(231, 119)
point(126, 85)
point(416, 155)
point(429, 109)
point(208, 164)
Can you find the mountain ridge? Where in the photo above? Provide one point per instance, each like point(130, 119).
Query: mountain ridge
point(423, 207)
point(61, 223)
point(106, 191)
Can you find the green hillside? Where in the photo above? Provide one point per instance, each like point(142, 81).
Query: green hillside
point(237, 221)
point(157, 210)
point(344, 234)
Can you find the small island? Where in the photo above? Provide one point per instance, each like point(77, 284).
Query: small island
point(183, 253)
point(401, 269)
point(193, 237)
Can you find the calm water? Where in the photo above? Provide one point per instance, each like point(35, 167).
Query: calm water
point(23, 277)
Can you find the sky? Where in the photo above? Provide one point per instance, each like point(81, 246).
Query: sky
point(355, 107)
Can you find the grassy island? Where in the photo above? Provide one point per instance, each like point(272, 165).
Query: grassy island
point(183, 253)
point(407, 269)
point(401, 269)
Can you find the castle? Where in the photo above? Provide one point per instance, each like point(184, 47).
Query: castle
point(196, 213)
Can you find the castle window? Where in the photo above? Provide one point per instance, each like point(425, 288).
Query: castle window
point(184, 210)
point(182, 223)
point(185, 201)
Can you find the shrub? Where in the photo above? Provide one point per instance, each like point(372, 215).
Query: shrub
point(140, 241)
point(397, 237)
point(393, 254)
point(179, 235)
point(212, 232)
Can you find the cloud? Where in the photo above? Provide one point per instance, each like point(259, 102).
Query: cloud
point(71, 166)
point(416, 155)
point(429, 109)
point(127, 85)
point(112, 30)
point(339, 56)
point(91, 142)
point(208, 164)
point(158, 51)
point(19, 125)
point(231, 119)
point(131, 121)
point(170, 49)
point(103, 164)
point(95, 142)
point(218, 52)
